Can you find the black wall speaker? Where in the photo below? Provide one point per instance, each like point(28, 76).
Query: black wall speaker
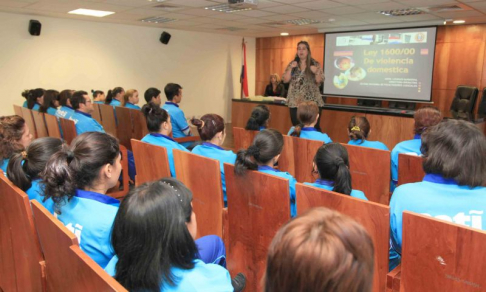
point(34, 27)
point(164, 38)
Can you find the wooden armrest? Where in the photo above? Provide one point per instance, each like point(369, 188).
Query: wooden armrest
point(393, 279)
point(187, 139)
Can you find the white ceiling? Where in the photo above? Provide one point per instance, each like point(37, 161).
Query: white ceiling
point(191, 15)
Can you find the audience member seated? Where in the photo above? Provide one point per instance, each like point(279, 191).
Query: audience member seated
point(263, 155)
point(76, 179)
point(153, 95)
point(358, 131)
point(331, 163)
point(51, 102)
point(159, 126)
point(66, 110)
point(24, 168)
point(98, 96)
point(259, 118)
point(114, 97)
point(211, 130)
point(83, 108)
point(35, 98)
point(130, 99)
point(424, 117)
point(15, 136)
point(180, 128)
point(308, 115)
point(320, 250)
point(453, 187)
point(275, 87)
point(153, 238)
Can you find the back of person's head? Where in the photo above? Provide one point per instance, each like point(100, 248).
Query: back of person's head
point(129, 93)
point(51, 98)
point(455, 149)
point(266, 145)
point(32, 95)
point(78, 166)
point(77, 98)
point(155, 116)
point(171, 90)
point(258, 118)
point(112, 93)
point(307, 113)
point(96, 93)
point(426, 117)
point(64, 96)
point(26, 166)
point(150, 235)
point(320, 250)
point(332, 163)
point(151, 93)
point(358, 128)
point(11, 131)
point(208, 126)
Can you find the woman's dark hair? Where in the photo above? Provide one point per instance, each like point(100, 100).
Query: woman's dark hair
point(171, 90)
point(332, 163)
point(455, 149)
point(307, 114)
point(309, 61)
point(150, 235)
point(155, 116)
point(26, 166)
point(77, 166)
point(150, 93)
point(208, 126)
point(11, 131)
point(320, 250)
point(426, 117)
point(358, 128)
point(259, 117)
point(112, 93)
point(96, 93)
point(266, 145)
point(64, 96)
point(32, 96)
point(50, 97)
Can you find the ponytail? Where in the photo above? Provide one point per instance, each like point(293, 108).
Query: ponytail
point(246, 160)
point(109, 97)
point(342, 181)
point(16, 171)
point(358, 128)
point(297, 131)
point(259, 117)
point(332, 163)
point(58, 178)
point(252, 124)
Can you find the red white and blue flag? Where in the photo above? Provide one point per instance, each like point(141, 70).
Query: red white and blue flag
point(244, 75)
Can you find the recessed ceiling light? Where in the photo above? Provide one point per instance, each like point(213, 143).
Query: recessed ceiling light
point(284, 33)
point(90, 12)
point(458, 21)
point(158, 19)
point(226, 8)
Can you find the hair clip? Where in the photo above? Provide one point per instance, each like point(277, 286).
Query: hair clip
point(355, 128)
point(175, 190)
point(214, 123)
point(202, 124)
point(24, 154)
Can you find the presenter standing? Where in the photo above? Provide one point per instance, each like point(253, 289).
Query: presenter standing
point(305, 75)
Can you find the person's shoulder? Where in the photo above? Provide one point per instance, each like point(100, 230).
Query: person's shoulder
point(203, 277)
point(358, 194)
point(378, 145)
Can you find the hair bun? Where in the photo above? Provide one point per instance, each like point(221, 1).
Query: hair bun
point(69, 156)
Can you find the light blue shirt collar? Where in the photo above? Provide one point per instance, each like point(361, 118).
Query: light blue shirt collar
point(84, 114)
point(97, 197)
point(266, 167)
point(212, 145)
point(325, 182)
point(172, 103)
point(439, 179)
point(161, 135)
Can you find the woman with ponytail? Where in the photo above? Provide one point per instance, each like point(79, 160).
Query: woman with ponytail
point(50, 103)
point(160, 127)
point(77, 179)
point(114, 97)
point(263, 155)
point(35, 98)
point(98, 96)
point(358, 131)
point(66, 110)
point(260, 115)
point(211, 131)
point(15, 136)
point(308, 115)
point(130, 99)
point(331, 163)
point(24, 168)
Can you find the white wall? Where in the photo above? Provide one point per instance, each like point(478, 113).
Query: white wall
point(83, 55)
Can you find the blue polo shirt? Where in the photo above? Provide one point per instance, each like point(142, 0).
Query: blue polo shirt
point(168, 143)
point(437, 197)
point(411, 147)
point(36, 107)
point(215, 152)
point(85, 123)
point(52, 111)
point(90, 217)
point(329, 185)
point(115, 102)
point(35, 192)
point(369, 144)
point(24, 104)
point(177, 119)
point(292, 182)
point(312, 133)
point(4, 166)
point(131, 105)
point(65, 112)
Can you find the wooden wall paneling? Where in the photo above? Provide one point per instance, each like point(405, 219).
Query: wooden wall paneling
point(390, 129)
point(240, 112)
point(460, 33)
point(279, 118)
point(335, 124)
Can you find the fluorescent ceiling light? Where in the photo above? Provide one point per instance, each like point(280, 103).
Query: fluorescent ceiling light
point(458, 21)
point(284, 33)
point(90, 12)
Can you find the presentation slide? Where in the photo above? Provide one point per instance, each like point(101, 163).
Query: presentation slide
point(394, 64)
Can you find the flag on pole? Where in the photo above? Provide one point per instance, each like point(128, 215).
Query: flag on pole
point(244, 75)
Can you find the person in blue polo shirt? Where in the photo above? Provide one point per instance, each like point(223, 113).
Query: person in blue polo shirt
point(180, 128)
point(259, 118)
point(66, 111)
point(211, 130)
point(83, 107)
point(77, 179)
point(114, 97)
point(98, 96)
point(424, 117)
point(51, 102)
point(152, 95)
point(24, 168)
point(130, 99)
point(331, 163)
point(159, 126)
point(262, 155)
point(358, 131)
point(453, 187)
point(35, 98)
point(308, 115)
point(15, 136)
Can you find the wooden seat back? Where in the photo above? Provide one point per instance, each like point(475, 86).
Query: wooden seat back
point(410, 169)
point(68, 269)
point(370, 172)
point(258, 205)
point(68, 130)
point(40, 124)
point(202, 176)
point(124, 126)
point(375, 218)
point(108, 120)
point(151, 161)
point(116, 192)
point(243, 138)
point(96, 114)
point(297, 157)
point(139, 124)
point(441, 256)
point(18, 110)
point(29, 120)
point(52, 125)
